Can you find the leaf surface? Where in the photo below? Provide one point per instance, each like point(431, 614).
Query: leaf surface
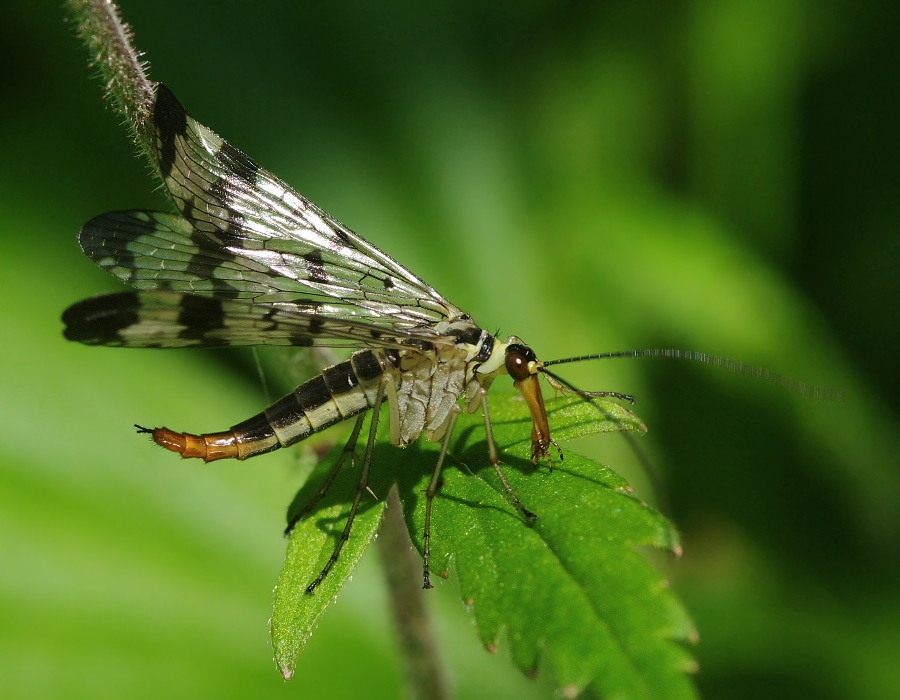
point(572, 589)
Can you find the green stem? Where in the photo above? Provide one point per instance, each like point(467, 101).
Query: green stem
point(425, 676)
point(109, 43)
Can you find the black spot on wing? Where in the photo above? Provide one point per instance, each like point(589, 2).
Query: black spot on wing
point(342, 236)
point(316, 325)
point(227, 232)
point(99, 320)
point(170, 119)
point(199, 316)
point(314, 267)
point(300, 340)
point(388, 283)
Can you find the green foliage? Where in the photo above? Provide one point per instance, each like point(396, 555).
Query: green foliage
point(570, 589)
point(312, 541)
point(717, 176)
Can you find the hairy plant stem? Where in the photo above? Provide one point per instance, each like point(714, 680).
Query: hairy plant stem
point(425, 676)
point(109, 43)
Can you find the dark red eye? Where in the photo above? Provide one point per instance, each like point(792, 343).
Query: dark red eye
point(517, 359)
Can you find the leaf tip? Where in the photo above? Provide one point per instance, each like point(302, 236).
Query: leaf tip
point(570, 691)
point(287, 673)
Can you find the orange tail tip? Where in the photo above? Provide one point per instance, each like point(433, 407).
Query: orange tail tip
point(206, 447)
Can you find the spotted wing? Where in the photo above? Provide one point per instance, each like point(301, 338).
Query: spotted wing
point(243, 234)
point(164, 319)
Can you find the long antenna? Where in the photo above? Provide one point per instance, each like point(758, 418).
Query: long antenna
point(795, 386)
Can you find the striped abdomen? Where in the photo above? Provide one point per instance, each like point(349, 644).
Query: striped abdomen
point(338, 393)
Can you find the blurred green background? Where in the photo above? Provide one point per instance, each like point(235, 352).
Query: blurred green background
point(714, 175)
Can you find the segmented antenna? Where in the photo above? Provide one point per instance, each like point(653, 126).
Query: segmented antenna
point(795, 386)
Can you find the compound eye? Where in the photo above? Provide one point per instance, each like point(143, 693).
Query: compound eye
point(518, 357)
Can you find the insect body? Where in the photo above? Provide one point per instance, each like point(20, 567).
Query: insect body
point(248, 261)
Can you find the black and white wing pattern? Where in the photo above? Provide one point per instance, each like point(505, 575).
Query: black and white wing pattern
point(248, 261)
point(268, 265)
point(166, 319)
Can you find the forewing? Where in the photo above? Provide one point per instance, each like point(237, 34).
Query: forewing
point(246, 235)
point(155, 250)
point(161, 319)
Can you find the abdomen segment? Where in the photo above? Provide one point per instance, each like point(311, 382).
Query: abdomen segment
point(338, 393)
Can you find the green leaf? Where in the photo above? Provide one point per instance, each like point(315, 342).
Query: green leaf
point(572, 588)
point(312, 542)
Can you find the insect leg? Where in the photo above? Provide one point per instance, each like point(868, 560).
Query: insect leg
point(363, 485)
point(349, 450)
point(429, 495)
point(495, 459)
